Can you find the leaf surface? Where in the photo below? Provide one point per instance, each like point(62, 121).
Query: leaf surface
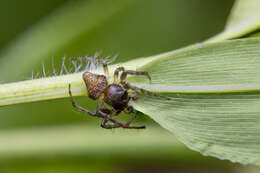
point(215, 98)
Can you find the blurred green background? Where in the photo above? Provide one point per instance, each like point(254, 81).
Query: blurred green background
point(50, 136)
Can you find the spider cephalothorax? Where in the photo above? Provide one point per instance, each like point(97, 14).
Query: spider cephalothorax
point(115, 94)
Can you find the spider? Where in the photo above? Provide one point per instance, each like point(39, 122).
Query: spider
point(115, 94)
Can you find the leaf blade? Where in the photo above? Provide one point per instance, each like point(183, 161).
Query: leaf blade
point(223, 127)
point(221, 121)
point(223, 66)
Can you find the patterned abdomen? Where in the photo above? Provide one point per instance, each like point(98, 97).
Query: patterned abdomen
point(96, 84)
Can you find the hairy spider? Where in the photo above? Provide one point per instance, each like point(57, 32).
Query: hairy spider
point(115, 94)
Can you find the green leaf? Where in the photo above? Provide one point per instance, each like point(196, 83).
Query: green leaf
point(215, 98)
point(244, 19)
point(214, 90)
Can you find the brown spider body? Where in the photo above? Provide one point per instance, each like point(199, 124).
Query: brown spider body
point(96, 84)
point(117, 97)
point(116, 94)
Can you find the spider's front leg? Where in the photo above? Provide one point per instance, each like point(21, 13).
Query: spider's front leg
point(126, 72)
point(80, 108)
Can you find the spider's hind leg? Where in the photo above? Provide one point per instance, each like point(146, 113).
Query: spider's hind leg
point(99, 61)
point(108, 126)
point(117, 124)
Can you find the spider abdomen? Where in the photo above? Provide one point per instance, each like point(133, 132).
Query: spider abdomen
point(116, 96)
point(96, 84)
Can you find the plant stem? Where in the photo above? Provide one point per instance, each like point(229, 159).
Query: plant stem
point(54, 87)
point(41, 89)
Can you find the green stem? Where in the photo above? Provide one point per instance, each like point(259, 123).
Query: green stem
point(54, 87)
point(41, 89)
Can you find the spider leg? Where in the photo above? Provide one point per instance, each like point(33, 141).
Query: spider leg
point(107, 126)
point(133, 96)
point(131, 72)
point(78, 107)
point(131, 120)
point(116, 72)
point(130, 110)
point(104, 113)
point(127, 125)
point(117, 124)
point(128, 86)
point(126, 72)
point(99, 61)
